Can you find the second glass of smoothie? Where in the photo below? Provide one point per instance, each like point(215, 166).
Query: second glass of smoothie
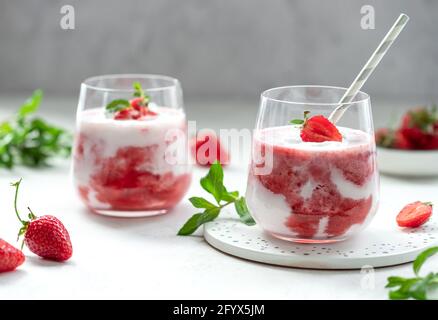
point(312, 192)
point(130, 153)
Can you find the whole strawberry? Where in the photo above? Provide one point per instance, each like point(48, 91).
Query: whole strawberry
point(10, 257)
point(45, 236)
point(317, 129)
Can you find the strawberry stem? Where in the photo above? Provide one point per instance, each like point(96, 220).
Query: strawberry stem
point(17, 186)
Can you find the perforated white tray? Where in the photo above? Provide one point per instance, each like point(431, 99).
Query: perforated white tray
point(381, 244)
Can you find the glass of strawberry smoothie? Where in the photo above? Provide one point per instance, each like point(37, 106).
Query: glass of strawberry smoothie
point(311, 181)
point(130, 154)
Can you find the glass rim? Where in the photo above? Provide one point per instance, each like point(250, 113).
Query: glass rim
point(264, 95)
point(140, 76)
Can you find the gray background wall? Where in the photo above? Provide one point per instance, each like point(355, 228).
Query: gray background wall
point(219, 49)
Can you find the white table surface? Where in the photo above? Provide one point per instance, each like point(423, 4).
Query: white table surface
point(144, 259)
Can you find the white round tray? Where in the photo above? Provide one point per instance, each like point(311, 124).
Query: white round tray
point(381, 244)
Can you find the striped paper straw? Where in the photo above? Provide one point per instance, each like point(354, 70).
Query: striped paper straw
point(369, 67)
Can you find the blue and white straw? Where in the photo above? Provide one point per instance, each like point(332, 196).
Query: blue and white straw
point(369, 67)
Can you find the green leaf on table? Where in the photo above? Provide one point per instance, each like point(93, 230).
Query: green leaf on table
point(197, 220)
point(418, 287)
point(422, 257)
point(31, 104)
point(213, 181)
point(296, 121)
point(243, 212)
point(199, 202)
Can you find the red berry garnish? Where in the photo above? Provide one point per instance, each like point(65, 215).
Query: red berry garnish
point(134, 109)
point(206, 149)
point(414, 214)
point(138, 103)
point(319, 129)
point(45, 236)
point(10, 257)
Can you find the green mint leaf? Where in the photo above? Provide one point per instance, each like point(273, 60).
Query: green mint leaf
point(243, 212)
point(213, 181)
point(31, 104)
point(31, 141)
point(296, 121)
point(229, 196)
point(197, 220)
point(422, 257)
point(138, 89)
point(395, 282)
point(117, 105)
point(419, 288)
point(199, 202)
point(398, 295)
point(405, 289)
point(140, 93)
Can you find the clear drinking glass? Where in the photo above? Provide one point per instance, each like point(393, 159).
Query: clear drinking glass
point(135, 167)
point(312, 192)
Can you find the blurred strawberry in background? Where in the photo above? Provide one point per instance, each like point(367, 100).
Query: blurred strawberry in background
point(206, 149)
point(418, 131)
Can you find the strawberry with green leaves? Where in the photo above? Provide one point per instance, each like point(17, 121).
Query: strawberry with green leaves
point(420, 127)
point(45, 236)
point(134, 109)
point(418, 131)
point(317, 129)
point(418, 287)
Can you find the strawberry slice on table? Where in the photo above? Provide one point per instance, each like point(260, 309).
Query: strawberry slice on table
point(414, 214)
point(45, 236)
point(317, 129)
point(207, 149)
point(10, 257)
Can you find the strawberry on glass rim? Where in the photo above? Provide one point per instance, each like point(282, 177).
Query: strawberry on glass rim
point(134, 109)
point(45, 236)
point(317, 129)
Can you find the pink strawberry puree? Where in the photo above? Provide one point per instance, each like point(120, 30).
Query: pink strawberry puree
point(121, 165)
point(315, 191)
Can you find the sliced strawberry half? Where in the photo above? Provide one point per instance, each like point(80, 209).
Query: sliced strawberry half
point(319, 129)
point(414, 214)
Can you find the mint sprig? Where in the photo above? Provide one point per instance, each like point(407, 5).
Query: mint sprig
point(121, 104)
point(301, 122)
point(31, 141)
point(139, 93)
point(117, 105)
point(213, 184)
point(416, 287)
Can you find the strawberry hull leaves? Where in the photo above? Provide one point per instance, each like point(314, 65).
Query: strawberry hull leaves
point(415, 288)
point(31, 141)
point(213, 184)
